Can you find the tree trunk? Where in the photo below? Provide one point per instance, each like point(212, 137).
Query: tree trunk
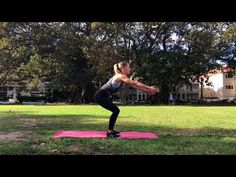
point(201, 83)
point(201, 90)
point(164, 93)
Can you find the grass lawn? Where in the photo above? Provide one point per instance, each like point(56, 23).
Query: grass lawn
point(182, 129)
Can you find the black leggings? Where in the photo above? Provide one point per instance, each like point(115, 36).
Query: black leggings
point(103, 99)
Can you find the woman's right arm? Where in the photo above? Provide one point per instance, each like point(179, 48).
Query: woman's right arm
point(137, 85)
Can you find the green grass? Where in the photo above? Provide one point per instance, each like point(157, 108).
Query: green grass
point(182, 129)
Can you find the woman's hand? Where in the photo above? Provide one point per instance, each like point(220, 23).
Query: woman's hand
point(153, 90)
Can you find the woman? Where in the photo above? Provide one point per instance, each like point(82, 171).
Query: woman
point(102, 96)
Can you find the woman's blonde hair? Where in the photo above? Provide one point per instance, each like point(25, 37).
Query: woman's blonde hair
point(119, 66)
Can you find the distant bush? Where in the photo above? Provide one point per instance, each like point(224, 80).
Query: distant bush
point(31, 98)
point(3, 97)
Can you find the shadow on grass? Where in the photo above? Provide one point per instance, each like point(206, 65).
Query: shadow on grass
point(173, 140)
point(26, 114)
point(20, 121)
point(97, 122)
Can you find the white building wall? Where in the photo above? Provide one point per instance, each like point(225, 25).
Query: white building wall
point(217, 86)
point(230, 93)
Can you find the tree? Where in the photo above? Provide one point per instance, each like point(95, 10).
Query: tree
point(78, 57)
point(43, 51)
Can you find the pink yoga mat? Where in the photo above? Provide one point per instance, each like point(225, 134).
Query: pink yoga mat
point(102, 134)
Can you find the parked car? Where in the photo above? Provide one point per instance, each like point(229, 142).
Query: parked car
point(231, 100)
point(210, 99)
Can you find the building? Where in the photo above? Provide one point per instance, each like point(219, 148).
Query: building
point(129, 95)
point(12, 92)
point(136, 95)
point(189, 93)
point(222, 85)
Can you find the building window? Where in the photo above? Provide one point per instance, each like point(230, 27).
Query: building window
point(130, 97)
point(228, 75)
point(10, 88)
point(139, 97)
point(195, 86)
point(191, 88)
point(192, 96)
point(183, 96)
point(229, 87)
point(143, 96)
point(3, 89)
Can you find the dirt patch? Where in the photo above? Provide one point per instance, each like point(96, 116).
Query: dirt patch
point(72, 148)
point(42, 123)
point(28, 124)
point(14, 136)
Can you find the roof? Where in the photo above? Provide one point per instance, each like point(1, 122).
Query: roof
point(224, 69)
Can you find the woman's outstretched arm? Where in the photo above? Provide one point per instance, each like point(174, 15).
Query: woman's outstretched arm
point(138, 85)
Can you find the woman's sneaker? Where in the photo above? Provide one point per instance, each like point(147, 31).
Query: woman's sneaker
point(112, 135)
point(115, 132)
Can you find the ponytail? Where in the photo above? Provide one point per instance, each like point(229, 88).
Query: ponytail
point(117, 68)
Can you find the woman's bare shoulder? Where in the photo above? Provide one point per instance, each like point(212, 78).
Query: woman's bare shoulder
point(120, 77)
